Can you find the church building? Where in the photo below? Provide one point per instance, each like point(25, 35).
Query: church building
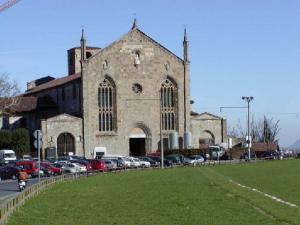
point(126, 97)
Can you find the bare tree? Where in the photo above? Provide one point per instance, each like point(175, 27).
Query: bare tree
point(237, 131)
point(262, 130)
point(9, 91)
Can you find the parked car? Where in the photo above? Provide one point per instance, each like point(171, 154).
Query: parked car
point(26, 157)
point(71, 157)
point(46, 172)
point(83, 162)
point(245, 156)
point(167, 162)
point(7, 155)
point(143, 163)
point(199, 158)
point(270, 155)
point(30, 167)
point(98, 164)
point(66, 167)
point(79, 167)
point(134, 162)
point(190, 161)
point(8, 172)
point(121, 161)
point(175, 159)
point(152, 162)
point(48, 165)
point(179, 156)
point(216, 152)
point(110, 164)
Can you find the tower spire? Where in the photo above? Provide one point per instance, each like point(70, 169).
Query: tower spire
point(185, 47)
point(82, 34)
point(134, 25)
point(83, 45)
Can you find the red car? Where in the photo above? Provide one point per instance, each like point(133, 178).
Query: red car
point(54, 170)
point(88, 165)
point(29, 167)
point(99, 165)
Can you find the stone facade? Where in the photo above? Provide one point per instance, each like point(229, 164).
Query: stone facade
point(54, 127)
point(122, 97)
point(208, 129)
point(141, 110)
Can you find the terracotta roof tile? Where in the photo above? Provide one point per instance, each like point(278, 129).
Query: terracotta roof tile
point(54, 83)
point(263, 146)
point(25, 104)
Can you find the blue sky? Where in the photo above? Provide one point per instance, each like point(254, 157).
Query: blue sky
point(237, 47)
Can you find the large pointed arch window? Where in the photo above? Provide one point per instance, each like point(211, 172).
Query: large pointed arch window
point(107, 106)
point(169, 105)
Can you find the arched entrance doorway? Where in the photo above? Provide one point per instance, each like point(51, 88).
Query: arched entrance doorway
point(138, 142)
point(65, 144)
point(207, 138)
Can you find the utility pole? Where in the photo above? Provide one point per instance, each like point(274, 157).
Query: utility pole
point(248, 100)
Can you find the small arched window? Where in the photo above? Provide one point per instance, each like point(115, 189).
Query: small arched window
point(169, 105)
point(88, 54)
point(106, 104)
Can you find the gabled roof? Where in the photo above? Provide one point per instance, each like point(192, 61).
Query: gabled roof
point(54, 83)
point(62, 117)
point(205, 114)
point(136, 29)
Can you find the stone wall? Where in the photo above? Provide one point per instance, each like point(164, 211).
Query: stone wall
point(143, 110)
point(205, 125)
point(57, 125)
point(70, 104)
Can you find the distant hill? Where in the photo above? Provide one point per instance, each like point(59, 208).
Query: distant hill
point(296, 145)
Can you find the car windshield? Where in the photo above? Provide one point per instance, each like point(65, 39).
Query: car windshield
point(9, 155)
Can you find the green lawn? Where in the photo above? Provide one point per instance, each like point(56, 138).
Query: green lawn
point(185, 196)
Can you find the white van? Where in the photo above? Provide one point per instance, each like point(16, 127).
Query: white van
point(216, 151)
point(7, 155)
point(99, 152)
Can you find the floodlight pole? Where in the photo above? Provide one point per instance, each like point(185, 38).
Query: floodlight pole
point(248, 100)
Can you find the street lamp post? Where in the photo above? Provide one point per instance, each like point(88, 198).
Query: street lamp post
point(248, 100)
point(160, 133)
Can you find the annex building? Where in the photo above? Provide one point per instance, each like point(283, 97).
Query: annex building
point(126, 97)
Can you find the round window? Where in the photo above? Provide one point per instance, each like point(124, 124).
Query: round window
point(137, 88)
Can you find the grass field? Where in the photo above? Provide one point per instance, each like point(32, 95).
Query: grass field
point(185, 196)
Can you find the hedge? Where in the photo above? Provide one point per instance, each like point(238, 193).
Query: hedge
point(17, 140)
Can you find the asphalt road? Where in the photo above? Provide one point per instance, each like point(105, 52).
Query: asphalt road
point(10, 188)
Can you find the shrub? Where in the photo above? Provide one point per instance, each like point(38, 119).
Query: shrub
point(5, 139)
point(21, 141)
